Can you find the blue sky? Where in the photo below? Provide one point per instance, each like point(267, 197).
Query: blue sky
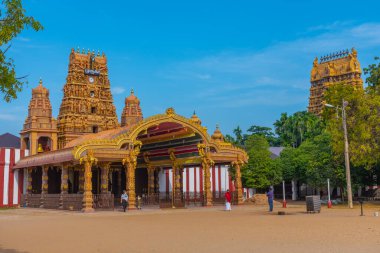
point(233, 62)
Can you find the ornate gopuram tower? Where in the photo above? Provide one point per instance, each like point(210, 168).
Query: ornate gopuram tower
point(87, 105)
point(132, 111)
point(39, 133)
point(340, 67)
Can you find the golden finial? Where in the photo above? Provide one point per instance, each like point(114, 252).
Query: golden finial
point(98, 53)
point(132, 91)
point(40, 83)
point(83, 51)
point(78, 50)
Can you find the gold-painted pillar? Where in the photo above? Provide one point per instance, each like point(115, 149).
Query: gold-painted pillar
point(44, 187)
point(29, 185)
point(207, 163)
point(88, 161)
point(130, 163)
point(238, 184)
point(207, 183)
point(157, 181)
point(150, 180)
point(81, 180)
point(64, 184)
point(105, 168)
point(131, 187)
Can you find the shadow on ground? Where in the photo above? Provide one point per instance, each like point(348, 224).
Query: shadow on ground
point(4, 250)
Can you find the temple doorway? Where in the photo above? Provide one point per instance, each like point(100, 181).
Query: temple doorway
point(141, 179)
point(36, 180)
point(54, 180)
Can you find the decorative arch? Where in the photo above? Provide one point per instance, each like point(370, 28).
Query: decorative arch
point(125, 137)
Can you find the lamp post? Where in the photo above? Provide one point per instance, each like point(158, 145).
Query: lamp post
point(346, 154)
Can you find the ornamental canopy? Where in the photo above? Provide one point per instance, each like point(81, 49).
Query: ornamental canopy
point(158, 141)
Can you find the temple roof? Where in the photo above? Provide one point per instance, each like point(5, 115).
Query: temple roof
point(158, 135)
point(8, 140)
point(108, 134)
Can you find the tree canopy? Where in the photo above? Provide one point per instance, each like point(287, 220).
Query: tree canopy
point(13, 21)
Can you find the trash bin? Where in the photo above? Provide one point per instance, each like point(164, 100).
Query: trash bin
point(313, 203)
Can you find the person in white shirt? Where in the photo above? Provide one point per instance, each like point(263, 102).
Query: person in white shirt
point(124, 200)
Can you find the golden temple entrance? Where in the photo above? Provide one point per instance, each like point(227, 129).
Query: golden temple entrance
point(150, 160)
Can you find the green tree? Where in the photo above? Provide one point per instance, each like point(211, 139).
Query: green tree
point(373, 75)
point(12, 21)
point(295, 129)
point(260, 171)
point(266, 132)
point(362, 110)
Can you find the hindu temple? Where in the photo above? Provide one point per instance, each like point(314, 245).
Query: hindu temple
point(339, 67)
point(84, 159)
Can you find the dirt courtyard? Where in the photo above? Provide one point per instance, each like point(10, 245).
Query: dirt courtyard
point(245, 229)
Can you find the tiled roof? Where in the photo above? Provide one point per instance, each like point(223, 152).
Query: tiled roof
point(8, 140)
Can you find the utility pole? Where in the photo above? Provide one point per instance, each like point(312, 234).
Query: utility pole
point(346, 155)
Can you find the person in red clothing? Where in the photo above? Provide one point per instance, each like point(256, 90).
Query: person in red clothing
point(228, 200)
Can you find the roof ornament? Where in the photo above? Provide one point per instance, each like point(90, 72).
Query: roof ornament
point(78, 49)
point(40, 83)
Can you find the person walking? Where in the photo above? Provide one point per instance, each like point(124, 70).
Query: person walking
point(270, 198)
point(227, 196)
point(124, 200)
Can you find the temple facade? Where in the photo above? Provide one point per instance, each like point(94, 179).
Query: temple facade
point(87, 105)
point(340, 67)
point(39, 132)
point(166, 159)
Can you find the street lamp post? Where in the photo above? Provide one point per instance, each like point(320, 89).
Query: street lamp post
point(346, 154)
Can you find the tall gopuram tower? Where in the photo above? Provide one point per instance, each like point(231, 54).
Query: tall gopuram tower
point(39, 132)
point(87, 105)
point(132, 111)
point(340, 67)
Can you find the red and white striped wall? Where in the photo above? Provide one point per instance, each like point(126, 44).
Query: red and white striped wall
point(193, 179)
point(12, 183)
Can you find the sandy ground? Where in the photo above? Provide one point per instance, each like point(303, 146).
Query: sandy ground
point(245, 229)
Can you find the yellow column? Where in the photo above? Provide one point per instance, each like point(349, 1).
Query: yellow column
point(105, 167)
point(130, 162)
point(207, 182)
point(44, 188)
point(150, 180)
point(28, 172)
point(88, 161)
point(207, 162)
point(238, 184)
point(81, 180)
point(64, 184)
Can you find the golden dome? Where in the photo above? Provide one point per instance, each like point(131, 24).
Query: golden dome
point(40, 89)
point(195, 119)
point(217, 135)
point(132, 99)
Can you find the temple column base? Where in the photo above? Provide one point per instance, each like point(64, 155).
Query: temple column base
point(87, 206)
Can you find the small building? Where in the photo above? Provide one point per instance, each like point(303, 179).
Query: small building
point(11, 181)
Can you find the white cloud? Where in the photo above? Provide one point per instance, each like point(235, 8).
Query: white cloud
point(117, 90)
